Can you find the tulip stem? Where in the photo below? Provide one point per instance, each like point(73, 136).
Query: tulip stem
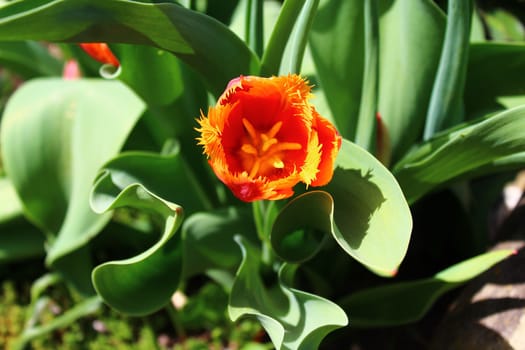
point(262, 215)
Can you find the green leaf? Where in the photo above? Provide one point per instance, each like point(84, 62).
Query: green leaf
point(154, 74)
point(29, 59)
point(337, 47)
point(208, 239)
point(10, 207)
point(446, 104)
point(202, 42)
point(273, 53)
point(372, 221)
point(365, 133)
point(406, 302)
point(495, 70)
point(254, 25)
point(55, 136)
point(407, 66)
point(167, 176)
point(143, 283)
point(292, 318)
point(294, 53)
point(477, 30)
point(462, 153)
point(504, 25)
point(302, 225)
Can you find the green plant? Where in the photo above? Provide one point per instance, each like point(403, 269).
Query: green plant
point(110, 173)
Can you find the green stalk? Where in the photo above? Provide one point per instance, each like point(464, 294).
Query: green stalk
point(365, 133)
point(255, 26)
point(173, 314)
point(261, 217)
point(271, 60)
point(300, 35)
point(445, 107)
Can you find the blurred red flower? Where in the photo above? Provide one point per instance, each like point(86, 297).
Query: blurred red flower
point(100, 52)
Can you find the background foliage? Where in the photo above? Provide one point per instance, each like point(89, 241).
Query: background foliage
point(104, 188)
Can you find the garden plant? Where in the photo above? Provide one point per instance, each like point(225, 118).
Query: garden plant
point(313, 167)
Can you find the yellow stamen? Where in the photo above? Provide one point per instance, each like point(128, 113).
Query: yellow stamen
point(262, 152)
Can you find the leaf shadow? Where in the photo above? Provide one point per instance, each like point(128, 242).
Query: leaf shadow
point(356, 200)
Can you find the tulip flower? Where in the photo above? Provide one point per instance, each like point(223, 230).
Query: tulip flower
point(100, 52)
point(263, 137)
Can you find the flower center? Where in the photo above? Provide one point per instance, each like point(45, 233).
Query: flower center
point(262, 153)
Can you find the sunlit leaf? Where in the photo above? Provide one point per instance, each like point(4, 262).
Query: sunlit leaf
point(459, 152)
point(407, 302)
point(504, 25)
point(293, 319)
point(55, 136)
point(372, 221)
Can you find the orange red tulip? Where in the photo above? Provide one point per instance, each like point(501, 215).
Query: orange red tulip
point(263, 137)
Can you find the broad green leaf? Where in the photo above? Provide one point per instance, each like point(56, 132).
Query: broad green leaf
point(302, 225)
point(154, 74)
point(144, 283)
point(495, 71)
point(29, 59)
point(167, 176)
point(10, 206)
point(337, 45)
point(406, 302)
point(411, 34)
point(55, 136)
point(208, 239)
point(372, 221)
point(202, 42)
point(461, 152)
point(293, 319)
point(446, 102)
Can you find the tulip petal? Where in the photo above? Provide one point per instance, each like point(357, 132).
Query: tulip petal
point(330, 140)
